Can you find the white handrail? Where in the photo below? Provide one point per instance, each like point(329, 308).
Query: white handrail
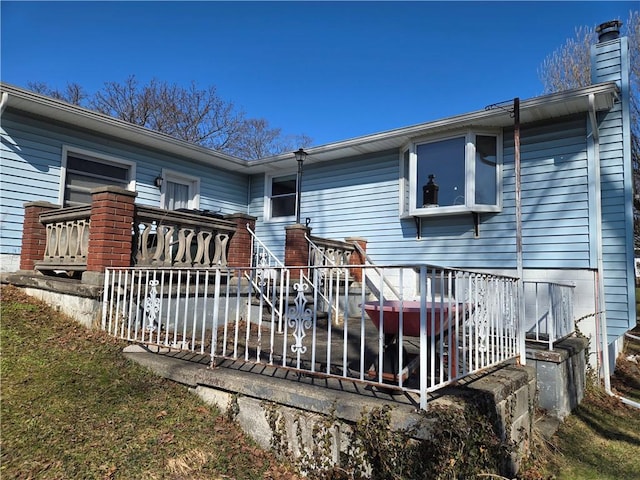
point(264, 247)
point(333, 309)
point(386, 281)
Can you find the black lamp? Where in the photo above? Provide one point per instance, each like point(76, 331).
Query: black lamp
point(158, 181)
point(300, 157)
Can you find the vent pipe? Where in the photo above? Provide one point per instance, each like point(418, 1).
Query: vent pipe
point(608, 31)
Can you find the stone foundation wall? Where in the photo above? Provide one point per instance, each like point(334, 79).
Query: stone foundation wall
point(314, 425)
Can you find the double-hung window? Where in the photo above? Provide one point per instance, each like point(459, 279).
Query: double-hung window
point(281, 197)
point(84, 171)
point(179, 191)
point(454, 174)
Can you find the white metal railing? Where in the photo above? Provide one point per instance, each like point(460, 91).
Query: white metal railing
point(269, 278)
point(415, 344)
point(548, 311)
point(329, 277)
point(390, 287)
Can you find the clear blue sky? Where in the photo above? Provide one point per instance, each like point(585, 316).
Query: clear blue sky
point(330, 70)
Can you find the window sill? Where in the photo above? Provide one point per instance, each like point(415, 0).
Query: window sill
point(451, 210)
point(280, 219)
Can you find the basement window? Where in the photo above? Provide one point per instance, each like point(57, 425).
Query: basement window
point(451, 175)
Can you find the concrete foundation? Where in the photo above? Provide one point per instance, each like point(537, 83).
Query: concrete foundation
point(81, 301)
point(310, 419)
point(560, 373)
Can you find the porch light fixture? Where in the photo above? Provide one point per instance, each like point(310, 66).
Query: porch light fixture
point(158, 181)
point(301, 155)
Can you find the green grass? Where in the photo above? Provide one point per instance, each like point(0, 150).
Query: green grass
point(601, 439)
point(74, 407)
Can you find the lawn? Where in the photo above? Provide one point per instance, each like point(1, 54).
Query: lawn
point(601, 439)
point(74, 407)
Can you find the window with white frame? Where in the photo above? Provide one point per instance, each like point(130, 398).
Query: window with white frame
point(280, 197)
point(454, 174)
point(83, 171)
point(179, 191)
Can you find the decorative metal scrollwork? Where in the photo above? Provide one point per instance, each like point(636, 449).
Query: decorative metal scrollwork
point(152, 306)
point(299, 318)
point(481, 313)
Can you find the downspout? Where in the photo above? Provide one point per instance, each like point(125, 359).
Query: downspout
point(3, 102)
point(601, 308)
point(519, 259)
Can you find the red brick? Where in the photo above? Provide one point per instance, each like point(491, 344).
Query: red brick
point(110, 236)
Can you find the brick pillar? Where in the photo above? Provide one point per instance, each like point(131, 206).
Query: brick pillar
point(34, 234)
point(239, 254)
point(356, 257)
point(110, 234)
point(296, 248)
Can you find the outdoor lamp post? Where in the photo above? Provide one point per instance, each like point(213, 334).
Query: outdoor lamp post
point(300, 156)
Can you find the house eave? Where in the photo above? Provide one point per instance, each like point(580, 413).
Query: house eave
point(65, 113)
point(545, 107)
point(531, 110)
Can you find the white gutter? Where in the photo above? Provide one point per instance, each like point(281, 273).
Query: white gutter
point(578, 95)
point(3, 102)
point(601, 307)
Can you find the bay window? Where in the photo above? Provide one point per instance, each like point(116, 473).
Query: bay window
point(449, 175)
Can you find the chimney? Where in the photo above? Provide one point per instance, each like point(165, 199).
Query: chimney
point(608, 31)
point(610, 56)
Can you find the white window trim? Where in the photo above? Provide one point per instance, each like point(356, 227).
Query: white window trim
point(95, 156)
point(191, 181)
point(470, 185)
point(267, 197)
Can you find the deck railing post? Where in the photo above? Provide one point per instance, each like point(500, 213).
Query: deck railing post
point(110, 236)
point(296, 252)
point(357, 258)
point(34, 234)
point(423, 337)
point(240, 242)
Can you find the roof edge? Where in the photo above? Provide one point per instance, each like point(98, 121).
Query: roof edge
point(38, 104)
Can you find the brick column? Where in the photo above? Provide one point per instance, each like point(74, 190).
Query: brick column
point(296, 248)
point(34, 234)
point(239, 254)
point(356, 257)
point(110, 234)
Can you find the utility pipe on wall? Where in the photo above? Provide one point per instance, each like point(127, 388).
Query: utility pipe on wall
point(519, 260)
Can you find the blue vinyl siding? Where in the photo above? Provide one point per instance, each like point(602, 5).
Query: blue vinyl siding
point(359, 196)
point(611, 63)
point(555, 200)
point(31, 164)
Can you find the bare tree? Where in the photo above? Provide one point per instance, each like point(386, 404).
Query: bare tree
point(190, 113)
point(259, 140)
point(73, 93)
point(569, 67)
